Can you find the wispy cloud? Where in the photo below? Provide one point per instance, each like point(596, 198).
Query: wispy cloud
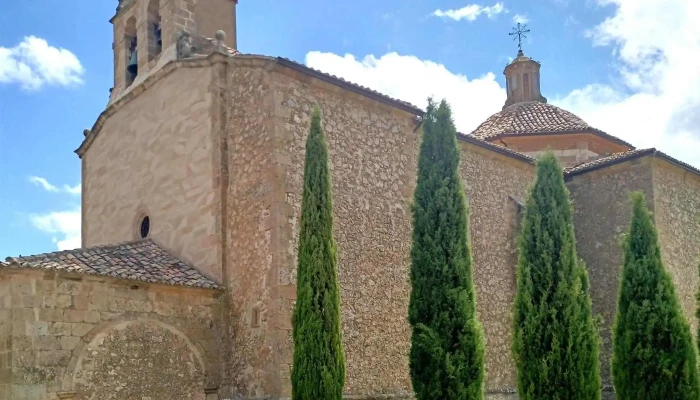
point(520, 19)
point(33, 63)
point(42, 182)
point(471, 12)
point(63, 225)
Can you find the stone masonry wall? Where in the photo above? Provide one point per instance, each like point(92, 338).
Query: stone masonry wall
point(106, 339)
point(373, 151)
point(568, 157)
point(677, 211)
point(494, 185)
point(602, 211)
point(155, 156)
point(252, 368)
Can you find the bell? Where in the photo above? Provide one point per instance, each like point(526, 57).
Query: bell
point(133, 66)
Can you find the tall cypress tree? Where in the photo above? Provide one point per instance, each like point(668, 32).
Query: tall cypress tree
point(555, 340)
point(447, 349)
point(319, 361)
point(653, 349)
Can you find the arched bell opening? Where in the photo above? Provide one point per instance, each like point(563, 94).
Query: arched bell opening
point(132, 59)
point(155, 41)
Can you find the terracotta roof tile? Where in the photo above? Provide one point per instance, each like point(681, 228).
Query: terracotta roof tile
point(607, 160)
point(535, 118)
point(624, 156)
point(141, 260)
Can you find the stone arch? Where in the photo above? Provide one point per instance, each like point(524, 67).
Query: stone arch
point(89, 348)
point(130, 50)
point(154, 25)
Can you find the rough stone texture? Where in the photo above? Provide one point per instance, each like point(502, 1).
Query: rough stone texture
point(495, 186)
point(103, 338)
point(155, 156)
point(677, 212)
point(373, 155)
point(601, 215)
point(253, 366)
point(373, 152)
point(569, 157)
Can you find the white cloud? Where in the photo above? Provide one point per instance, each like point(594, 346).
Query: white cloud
point(43, 183)
point(63, 225)
point(471, 12)
point(412, 79)
point(39, 181)
point(33, 64)
point(654, 101)
point(520, 19)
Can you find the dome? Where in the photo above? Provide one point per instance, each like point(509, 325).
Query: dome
point(530, 118)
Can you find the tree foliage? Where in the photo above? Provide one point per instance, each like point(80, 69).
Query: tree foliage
point(555, 339)
point(447, 344)
point(653, 349)
point(319, 361)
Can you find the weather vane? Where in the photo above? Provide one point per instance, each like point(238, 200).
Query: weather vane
point(519, 33)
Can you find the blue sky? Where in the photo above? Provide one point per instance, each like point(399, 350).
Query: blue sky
point(629, 67)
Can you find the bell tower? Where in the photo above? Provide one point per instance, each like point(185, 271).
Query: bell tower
point(146, 33)
point(522, 74)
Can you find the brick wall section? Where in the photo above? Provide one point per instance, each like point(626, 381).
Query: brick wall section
point(103, 338)
point(493, 184)
point(677, 210)
point(155, 155)
point(601, 215)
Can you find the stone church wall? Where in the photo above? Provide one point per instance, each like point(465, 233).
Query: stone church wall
point(495, 184)
point(99, 338)
point(677, 211)
point(373, 151)
point(602, 211)
point(253, 367)
point(154, 156)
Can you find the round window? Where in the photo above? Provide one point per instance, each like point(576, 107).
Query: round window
point(145, 226)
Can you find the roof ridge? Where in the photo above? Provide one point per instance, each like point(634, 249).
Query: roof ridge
point(68, 251)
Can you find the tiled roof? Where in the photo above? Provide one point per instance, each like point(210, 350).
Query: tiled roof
point(141, 260)
point(535, 118)
point(615, 157)
point(624, 156)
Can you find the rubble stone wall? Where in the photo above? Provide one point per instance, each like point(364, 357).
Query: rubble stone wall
point(677, 217)
point(602, 211)
point(102, 338)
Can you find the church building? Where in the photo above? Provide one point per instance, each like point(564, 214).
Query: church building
point(191, 190)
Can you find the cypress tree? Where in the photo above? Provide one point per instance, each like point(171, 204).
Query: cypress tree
point(555, 339)
point(319, 361)
point(653, 349)
point(447, 350)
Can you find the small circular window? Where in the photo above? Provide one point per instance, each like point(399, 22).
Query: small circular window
point(145, 226)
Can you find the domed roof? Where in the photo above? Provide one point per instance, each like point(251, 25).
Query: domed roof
point(530, 118)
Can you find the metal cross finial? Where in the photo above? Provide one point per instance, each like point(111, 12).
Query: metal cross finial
point(519, 33)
